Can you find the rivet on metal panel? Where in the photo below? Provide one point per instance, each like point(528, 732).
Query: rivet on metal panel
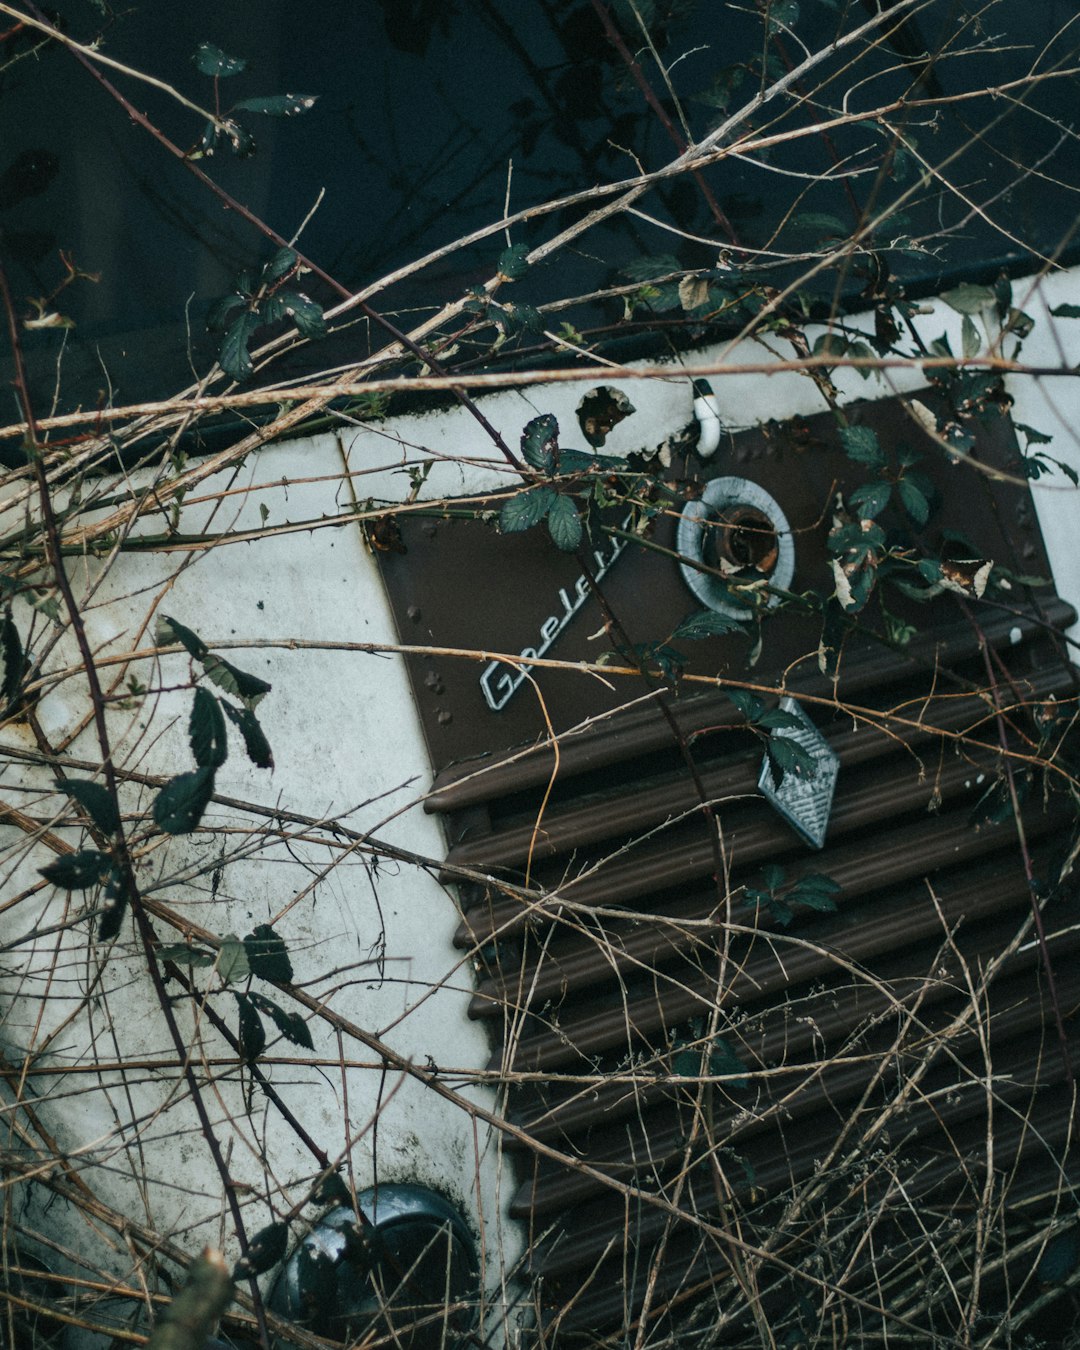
point(413, 613)
point(433, 681)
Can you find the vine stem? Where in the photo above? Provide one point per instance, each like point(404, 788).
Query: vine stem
point(121, 853)
point(1014, 801)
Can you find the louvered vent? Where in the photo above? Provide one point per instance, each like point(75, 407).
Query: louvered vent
point(739, 1104)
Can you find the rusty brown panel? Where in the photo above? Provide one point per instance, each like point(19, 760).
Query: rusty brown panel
point(588, 1027)
point(462, 585)
point(652, 1142)
point(631, 806)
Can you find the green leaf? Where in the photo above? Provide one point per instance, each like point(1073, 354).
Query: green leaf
point(241, 141)
point(295, 305)
point(180, 804)
point(95, 800)
point(830, 344)
point(1061, 1255)
point(183, 955)
point(871, 499)
point(207, 731)
point(255, 742)
point(816, 223)
point(280, 265)
point(512, 262)
point(249, 688)
point(252, 1040)
point(861, 444)
point(1031, 436)
point(747, 703)
point(707, 623)
point(968, 298)
point(540, 442)
point(115, 907)
point(277, 105)
point(333, 1190)
point(914, 499)
point(264, 1251)
point(773, 875)
point(817, 892)
point(268, 955)
point(211, 60)
point(14, 660)
point(970, 341)
point(525, 509)
point(564, 524)
point(232, 960)
point(774, 718)
point(233, 355)
point(789, 757)
point(291, 1025)
point(724, 1060)
point(172, 630)
point(77, 871)
point(1066, 311)
point(217, 316)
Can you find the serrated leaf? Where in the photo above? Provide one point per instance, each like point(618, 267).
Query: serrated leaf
point(513, 262)
point(525, 509)
point(333, 1190)
point(693, 292)
point(304, 312)
point(171, 630)
point(77, 871)
point(1061, 1255)
point(264, 1251)
point(816, 892)
point(914, 499)
point(207, 731)
point(255, 742)
point(818, 224)
point(775, 718)
point(249, 688)
point(95, 800)
point(252, 1035)
point(211, 60)
point(540, 441)
point(217, 316)
point(277, 105)
point(871, 499)
point(183, 955)
point(291, 1025)
point(707, 623)
point(232, 960)
point(564, 524)
point(790, 757)
point(233, 355)
point(968, 298)
point(1066, 311)
point(241, 141)
point(14, 659)
point(280, 265)
point(180, 804)
point(114, 906)
point(747, 703)
point(267, 954)
point(970, 341)
point(861, 444)
point(1031, 436)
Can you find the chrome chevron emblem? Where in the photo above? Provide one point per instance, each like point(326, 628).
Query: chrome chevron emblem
point(804, 800)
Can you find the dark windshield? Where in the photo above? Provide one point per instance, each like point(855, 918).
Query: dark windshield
point(942, 141)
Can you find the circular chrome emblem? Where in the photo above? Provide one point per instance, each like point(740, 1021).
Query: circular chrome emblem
point(738, 530)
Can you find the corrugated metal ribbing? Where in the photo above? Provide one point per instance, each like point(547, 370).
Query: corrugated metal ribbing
point(705, 1062)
